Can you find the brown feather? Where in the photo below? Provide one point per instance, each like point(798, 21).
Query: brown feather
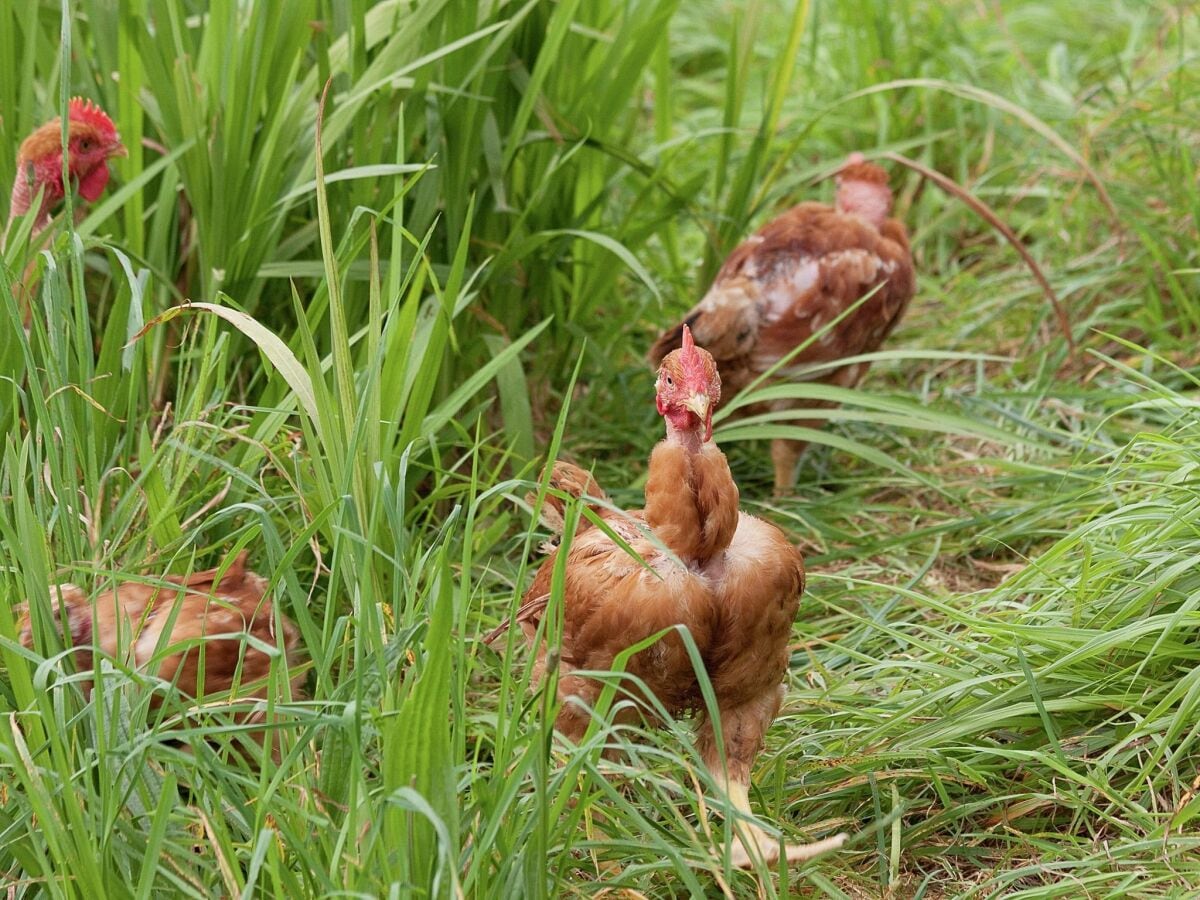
point(46, 140)
point(863, 171)
point(206, 616)
point(573, 481)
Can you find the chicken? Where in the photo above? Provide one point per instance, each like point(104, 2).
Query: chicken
point(793, 277)
point(732, 580)
point(91, 142)
point(198, 632)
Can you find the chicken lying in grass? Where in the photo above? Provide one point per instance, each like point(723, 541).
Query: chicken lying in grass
point(91, 142)
point(733, 580)
point(204, 633)
point(793, 277)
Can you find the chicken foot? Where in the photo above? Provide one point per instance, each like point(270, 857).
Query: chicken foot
point(742, 730)
point(764, 846)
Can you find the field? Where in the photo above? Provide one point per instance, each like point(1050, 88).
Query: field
point(419, 287)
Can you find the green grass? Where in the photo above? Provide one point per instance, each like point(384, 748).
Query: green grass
point(994, 683)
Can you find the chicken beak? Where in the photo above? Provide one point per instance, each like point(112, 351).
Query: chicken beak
point(698, 403)
point(116, 148)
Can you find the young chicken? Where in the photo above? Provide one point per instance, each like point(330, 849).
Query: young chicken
point(794, 276)
point(91, 142)
point(198, 632)
point(733, 580)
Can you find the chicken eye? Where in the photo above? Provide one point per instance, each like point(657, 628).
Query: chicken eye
point(85, 145)
point(670, 383)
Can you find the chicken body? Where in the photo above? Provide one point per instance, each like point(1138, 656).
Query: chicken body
point(794, 276)
point(732, 580)
point(195, 632)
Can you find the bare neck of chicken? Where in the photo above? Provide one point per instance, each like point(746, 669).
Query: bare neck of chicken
point(689, 439)
point(869, 201)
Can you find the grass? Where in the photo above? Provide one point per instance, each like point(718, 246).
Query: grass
point(994, 682)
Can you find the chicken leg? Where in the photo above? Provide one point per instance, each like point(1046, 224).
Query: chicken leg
point(742, 730)
point(764, 846)
point(785, 453)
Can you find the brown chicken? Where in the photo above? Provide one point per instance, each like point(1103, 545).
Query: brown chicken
point(91, 142)
point(793, 277)
point(733, 580)
point(192, 631)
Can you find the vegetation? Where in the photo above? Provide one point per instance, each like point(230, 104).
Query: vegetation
point(996, 680)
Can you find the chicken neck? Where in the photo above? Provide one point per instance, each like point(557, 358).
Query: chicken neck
point(691, 499)
point(689, 438)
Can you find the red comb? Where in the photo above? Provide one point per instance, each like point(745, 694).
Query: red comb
point(84, 110)
point(688, 357)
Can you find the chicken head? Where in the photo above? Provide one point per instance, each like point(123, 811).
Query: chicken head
point(91, 142)
point(688, 389)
